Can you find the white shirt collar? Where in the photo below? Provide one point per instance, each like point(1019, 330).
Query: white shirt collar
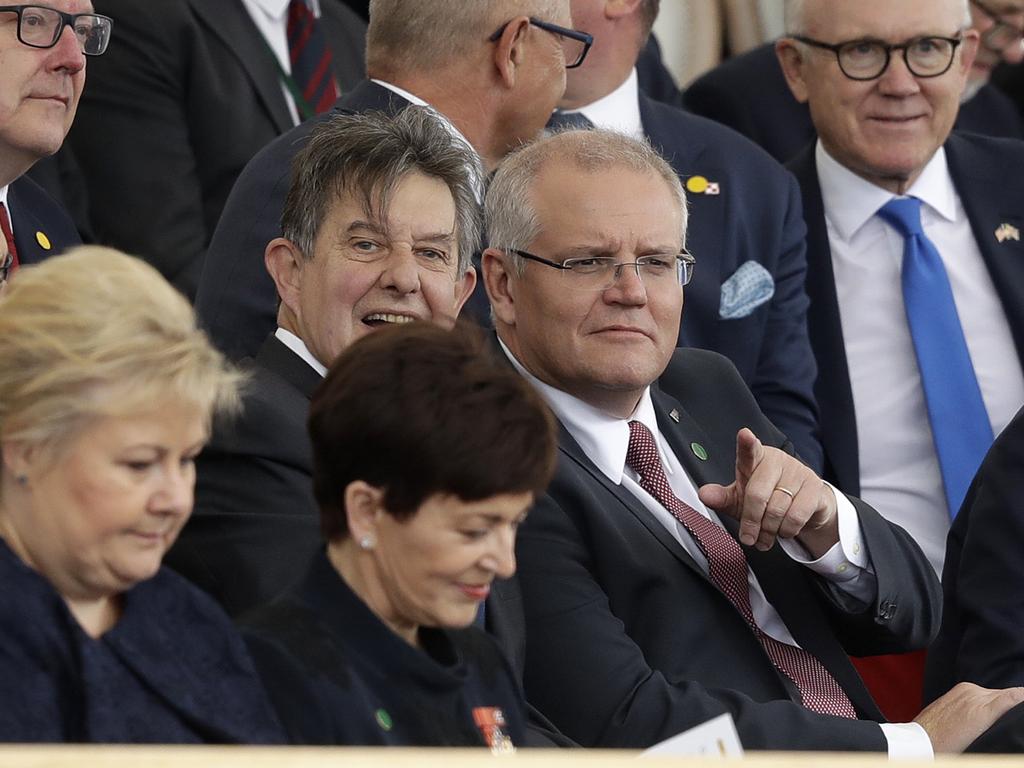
point(3, 193)
point(619, 110)
point(603, 438)
point(298, 346)
point(850, 201)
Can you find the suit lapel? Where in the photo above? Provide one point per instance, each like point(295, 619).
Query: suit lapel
point(832, 388)
point(571, 449)
point(231, 22)
point(279, 359)
point(972, 173)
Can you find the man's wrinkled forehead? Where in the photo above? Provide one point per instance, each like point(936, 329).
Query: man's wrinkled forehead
point(893, 21)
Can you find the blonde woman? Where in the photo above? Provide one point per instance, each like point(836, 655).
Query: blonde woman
point(107, 389)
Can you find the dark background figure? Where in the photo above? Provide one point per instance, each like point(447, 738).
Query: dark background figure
point(189, 92)
point(983, 583)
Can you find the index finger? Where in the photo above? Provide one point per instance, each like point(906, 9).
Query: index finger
point(749, 453)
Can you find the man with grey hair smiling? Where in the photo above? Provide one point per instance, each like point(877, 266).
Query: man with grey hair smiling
point(493, 69)
point(683, 559)
point(915, 264)
point(378, 227)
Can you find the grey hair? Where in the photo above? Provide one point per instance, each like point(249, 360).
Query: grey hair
point(426, 35)
point(367, 155)
point(510, 219)
point(796, 22)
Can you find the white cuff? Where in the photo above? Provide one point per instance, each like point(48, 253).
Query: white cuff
point(907, 741)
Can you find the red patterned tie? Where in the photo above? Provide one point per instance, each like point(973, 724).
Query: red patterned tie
point(727, 566)
point(5, 225)
point(311, 60)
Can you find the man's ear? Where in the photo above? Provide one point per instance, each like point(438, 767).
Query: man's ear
point(510, 50)
point(617, 9)
point(364, 504)
point(285, 262)
point(791, 58)
point(464, 289)
point(499, 282)
point(968, 51)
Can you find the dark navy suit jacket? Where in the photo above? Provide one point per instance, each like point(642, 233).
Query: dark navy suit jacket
point(629, 642)
point(988, 175)
point(237, 299)
point(749, 93)
point(37, 220)
point(981, 639)
point(756, 217)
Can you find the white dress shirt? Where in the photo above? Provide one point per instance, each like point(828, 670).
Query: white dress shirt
point(271, 19)
point(847, 565)
point(899, 469)
point(619, 110)
point(3, 199)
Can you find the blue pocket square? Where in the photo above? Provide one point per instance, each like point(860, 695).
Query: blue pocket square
point(749, 287)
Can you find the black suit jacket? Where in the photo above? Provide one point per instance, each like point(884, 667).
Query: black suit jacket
point(37, 220)
point(756, 217)
point(975, 163)
point(982, 635)
point(749, 93)
point(256, 525)
point(237, 299)
point(628, 642)
point(187, 93)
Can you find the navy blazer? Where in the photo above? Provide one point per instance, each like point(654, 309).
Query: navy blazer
point(42, 228)
point(981, 639)
point(172, 670)
point(187, 93)
point(237, 299)
point(749, 93)
point(755, 217)
point(976, 163)
point(629, 642)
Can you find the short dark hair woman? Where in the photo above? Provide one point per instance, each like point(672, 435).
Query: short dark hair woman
point(427, 454)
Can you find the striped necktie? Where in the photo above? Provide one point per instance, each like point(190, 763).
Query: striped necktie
point(311, 61)
point(727, 569)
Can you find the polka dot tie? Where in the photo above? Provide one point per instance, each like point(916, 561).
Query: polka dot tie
point(727, 568)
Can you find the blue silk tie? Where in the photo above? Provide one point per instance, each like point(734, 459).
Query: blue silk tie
point(961, 429)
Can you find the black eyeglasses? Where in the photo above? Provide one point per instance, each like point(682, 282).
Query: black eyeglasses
point(40, 26)
point(599, 273)
point(575, 44)
point(1002, 34)
point(867, 59)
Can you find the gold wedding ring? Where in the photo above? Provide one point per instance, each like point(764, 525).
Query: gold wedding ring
point(785, 491)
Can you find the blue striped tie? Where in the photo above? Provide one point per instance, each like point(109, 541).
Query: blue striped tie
point(960, 426)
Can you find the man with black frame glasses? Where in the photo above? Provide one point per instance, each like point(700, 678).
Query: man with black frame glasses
point(915, 265)
point(43, 49)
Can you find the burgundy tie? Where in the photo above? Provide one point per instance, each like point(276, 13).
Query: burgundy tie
point(5, 225)
point(311, 60)
point(727, 566)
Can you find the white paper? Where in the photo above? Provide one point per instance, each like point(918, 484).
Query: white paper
point(715, 738)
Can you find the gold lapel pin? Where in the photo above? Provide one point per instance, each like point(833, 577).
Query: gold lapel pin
point(699, 185)
point(43, 240)
point(1007, 232)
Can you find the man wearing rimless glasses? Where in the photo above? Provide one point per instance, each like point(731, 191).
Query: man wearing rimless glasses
point(42, 73)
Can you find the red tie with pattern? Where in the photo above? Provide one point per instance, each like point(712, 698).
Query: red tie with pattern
point(311, 60)
point(727, 566)
point(5, 225)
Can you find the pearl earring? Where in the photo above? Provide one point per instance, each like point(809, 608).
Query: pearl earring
point(367, 542)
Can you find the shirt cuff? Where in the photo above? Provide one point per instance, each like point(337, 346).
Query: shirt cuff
point(907, 741)
point(848, 557)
